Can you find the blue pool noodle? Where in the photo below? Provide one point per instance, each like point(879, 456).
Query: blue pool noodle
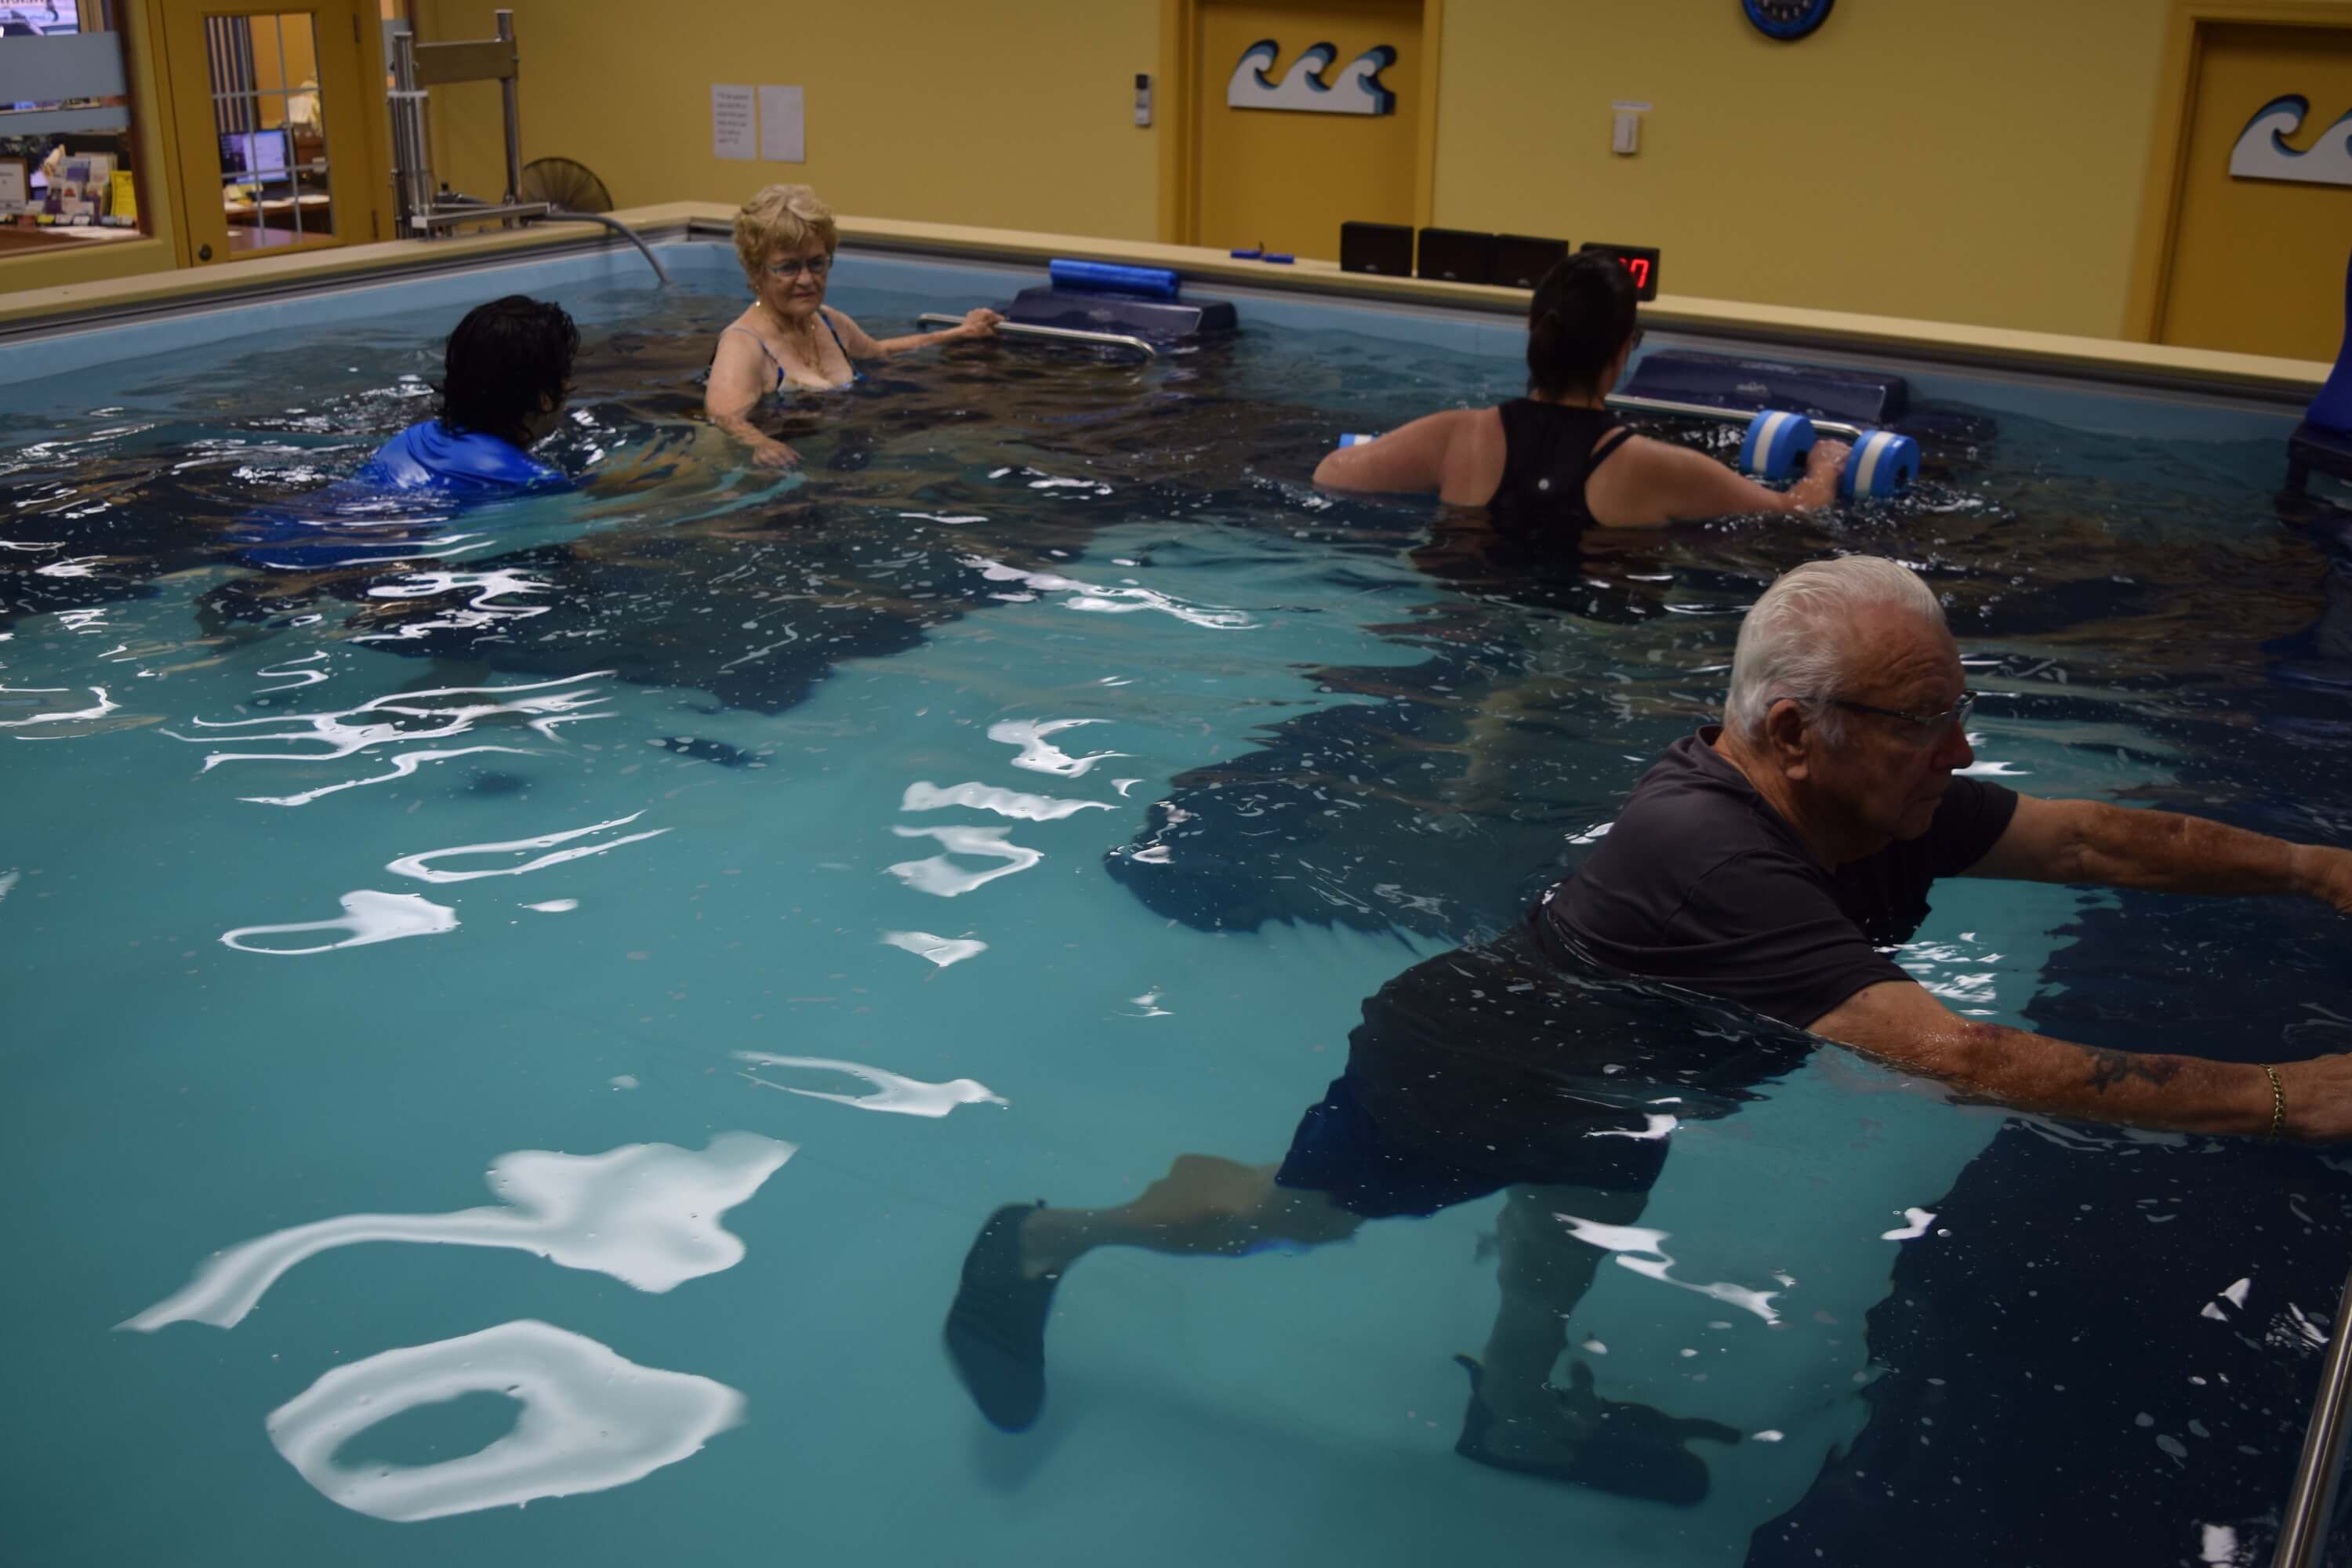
point(1110, 278)
point(2332, 409)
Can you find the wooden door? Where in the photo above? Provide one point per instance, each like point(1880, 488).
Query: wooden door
point(2257, 264)
point(269, 112)
point(1285, 179)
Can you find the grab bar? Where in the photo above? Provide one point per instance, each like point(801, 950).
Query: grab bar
point(2303, 1524)
point(1727, 415)
point(1066, 334)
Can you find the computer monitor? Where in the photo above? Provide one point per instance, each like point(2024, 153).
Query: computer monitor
point(256, 157)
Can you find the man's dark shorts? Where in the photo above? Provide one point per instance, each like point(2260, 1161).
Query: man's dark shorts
point(1498, 1065)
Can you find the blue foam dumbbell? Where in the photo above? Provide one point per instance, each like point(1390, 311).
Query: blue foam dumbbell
point(1881, 465)
point(1775, 445)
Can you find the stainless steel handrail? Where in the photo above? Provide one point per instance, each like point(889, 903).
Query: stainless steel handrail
point(1066, 334)
point(1844, 432)
point(2303, 1527)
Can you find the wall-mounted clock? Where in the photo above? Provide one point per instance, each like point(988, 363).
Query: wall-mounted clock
point(1787, 20)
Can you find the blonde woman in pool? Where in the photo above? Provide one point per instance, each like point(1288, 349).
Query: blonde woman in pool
point(785, 237)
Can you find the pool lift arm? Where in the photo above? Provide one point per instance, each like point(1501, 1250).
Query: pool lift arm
point(423, 212)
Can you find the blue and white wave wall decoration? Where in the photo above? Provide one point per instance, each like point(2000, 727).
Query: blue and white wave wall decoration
point(1357, 91)
point(2262, 152)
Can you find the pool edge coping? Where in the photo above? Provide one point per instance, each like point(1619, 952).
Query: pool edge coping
point(41, 312)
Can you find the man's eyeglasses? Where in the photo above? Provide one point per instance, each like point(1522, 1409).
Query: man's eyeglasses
point(1930, 726)
point(789, 271)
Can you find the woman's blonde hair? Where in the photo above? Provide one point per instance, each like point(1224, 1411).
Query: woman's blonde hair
point(780, 217)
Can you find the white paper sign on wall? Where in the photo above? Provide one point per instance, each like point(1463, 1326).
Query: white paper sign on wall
point(1357, 90)
point(2262, 152)
point(734, 125)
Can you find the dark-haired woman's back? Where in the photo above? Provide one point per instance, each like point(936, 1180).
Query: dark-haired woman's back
point(1556, 460)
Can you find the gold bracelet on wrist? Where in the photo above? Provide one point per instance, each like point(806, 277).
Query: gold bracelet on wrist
point(2278, 1103)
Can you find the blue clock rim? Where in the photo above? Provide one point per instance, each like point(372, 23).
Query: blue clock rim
point(1813, 16)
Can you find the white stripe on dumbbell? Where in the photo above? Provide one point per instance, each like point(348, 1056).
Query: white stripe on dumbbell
point(1865, 460)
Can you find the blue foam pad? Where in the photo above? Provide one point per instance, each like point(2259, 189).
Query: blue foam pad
point(1109, 277)
point(1775, 445)
point(2332, 409)
point(1881, 464)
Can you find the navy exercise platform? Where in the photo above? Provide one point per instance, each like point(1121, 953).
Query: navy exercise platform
point(1101, 296)
point(2323, 442)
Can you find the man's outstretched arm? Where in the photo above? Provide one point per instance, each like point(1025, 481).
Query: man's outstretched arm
point(1899, 1022)
point(2161, 851)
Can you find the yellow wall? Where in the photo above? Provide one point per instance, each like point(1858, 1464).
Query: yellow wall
point(1019, 116)
point(1977, 161)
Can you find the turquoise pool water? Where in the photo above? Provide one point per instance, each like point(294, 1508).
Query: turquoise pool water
point(429, 991)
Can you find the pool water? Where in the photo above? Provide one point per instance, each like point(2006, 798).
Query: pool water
point(482, 937)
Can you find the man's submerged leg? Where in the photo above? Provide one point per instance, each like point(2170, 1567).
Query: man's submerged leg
point(1204, 1205)
point(1518, 1419)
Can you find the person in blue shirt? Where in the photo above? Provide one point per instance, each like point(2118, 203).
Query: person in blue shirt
point(505, 374)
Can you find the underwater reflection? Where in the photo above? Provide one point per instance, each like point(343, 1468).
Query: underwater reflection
point(646, 1214)
point(591, 1420)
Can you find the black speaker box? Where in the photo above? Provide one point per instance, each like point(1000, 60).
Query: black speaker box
point(1522, 259)
point(1457, 255)
point(1385, 248)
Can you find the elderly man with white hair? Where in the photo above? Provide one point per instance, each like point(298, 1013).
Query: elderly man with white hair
point(1768, 862)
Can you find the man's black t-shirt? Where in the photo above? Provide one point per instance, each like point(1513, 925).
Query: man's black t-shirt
point(1701, 883)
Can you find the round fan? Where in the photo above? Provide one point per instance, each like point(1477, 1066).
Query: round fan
point(569, 186)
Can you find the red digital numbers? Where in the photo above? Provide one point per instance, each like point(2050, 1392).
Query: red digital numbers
point(1639, 266)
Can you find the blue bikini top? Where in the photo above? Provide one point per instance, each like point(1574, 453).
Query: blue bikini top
point(855, 374)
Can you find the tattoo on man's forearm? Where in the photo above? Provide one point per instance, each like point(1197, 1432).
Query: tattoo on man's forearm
point(2111, 1068)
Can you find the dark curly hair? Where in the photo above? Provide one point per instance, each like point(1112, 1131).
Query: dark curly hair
point(506, 362)
point(1583, 313)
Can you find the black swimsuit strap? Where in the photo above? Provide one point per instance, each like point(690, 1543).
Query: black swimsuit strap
point(1609, 443)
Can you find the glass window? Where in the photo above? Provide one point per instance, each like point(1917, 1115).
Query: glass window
point(267, 111)
point(68, 162)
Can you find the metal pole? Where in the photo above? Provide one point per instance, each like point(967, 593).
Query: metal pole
point(1065, 334)
point(2302, 1526)
point(1725, 415)
point(414, 177)
point(514, 120)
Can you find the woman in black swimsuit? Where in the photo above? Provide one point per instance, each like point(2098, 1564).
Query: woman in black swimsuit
point(785, 237)
point(1557, 460)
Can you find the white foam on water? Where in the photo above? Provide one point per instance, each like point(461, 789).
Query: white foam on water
point(105, 705)
point(924, 796)
point(891, 1092)
point(554, 907)
point(1111, 601)
point(646, 1214)
point(1920, 1220)
point(404, 764)
point(1637, 1247)
point(941, 949)
point(942, 877)
point(592, 1420)
point(403, 717)
point(1038, 754)
point(8, 881)
point(1655, 1127)
point(421, 867)
point(368, 915)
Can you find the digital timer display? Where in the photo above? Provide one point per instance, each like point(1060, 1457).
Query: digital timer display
point(1639, 262)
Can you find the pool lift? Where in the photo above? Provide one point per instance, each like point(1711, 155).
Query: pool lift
point(425, 212)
